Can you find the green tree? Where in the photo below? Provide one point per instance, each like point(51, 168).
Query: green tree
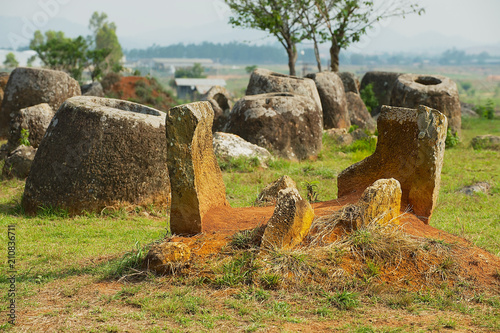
point(10, 60)
point(56, 51)
point(280, 18)
point(104, 37)
point(345, 21)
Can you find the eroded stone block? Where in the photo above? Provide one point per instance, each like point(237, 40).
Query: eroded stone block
point(196, 179)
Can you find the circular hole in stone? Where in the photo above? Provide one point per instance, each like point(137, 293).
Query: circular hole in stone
point(128, 106)
point(428, 80)
point(222, 101)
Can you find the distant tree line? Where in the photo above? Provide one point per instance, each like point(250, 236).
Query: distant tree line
point(234, 52)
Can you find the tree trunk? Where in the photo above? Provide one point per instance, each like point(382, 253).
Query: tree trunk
point(292, 58)
point(334, 56)
point(316, 53)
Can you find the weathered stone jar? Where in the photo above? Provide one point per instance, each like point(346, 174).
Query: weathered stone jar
point(435, 91)
point(32, 86)
point(100, 152)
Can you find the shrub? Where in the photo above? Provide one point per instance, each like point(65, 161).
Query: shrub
point(368, 97)
point(452, 139)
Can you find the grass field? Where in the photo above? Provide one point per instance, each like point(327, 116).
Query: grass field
point(69, 269)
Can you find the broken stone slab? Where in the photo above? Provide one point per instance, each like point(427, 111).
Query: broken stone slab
point(286, 124)
point(269, 195)
point(380, 203)
point(481, 187)
point(290, 223)
point(165, 257)
point(18, 163)
point(220, 99)
point(227, 145)
point(434, 91)
point(410, 149)
point(488, 142)
point(35, 120)
point(196, 179)
point(333, 99)
point(263, 81)
point(100, 152)
point(32, 86)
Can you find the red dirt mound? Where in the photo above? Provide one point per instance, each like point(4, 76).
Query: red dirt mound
point(472, 264)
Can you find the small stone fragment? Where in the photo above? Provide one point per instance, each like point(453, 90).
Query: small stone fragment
point(290, 222)
point(270, 193)
point(488, 142)
point(18, 163)
point(163, 257)
point(380, 202)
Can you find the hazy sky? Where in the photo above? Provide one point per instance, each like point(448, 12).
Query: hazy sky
point(473, 20)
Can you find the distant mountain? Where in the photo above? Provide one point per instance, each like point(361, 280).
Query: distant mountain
point(217, 32)
point(431, 42)
point(387, 41)
point(16, 31)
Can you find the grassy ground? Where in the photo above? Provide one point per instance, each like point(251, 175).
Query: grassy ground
point(69, 269)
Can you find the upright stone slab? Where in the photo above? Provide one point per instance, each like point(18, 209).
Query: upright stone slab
point(290, 223)
point(410, 148)
point(196, 179)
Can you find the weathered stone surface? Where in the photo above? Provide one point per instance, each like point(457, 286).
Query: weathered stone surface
point(435, 91)
point(468, 110)
point(220, 99)
point(358, 113)
point(4, 78)
point(382, 82)
point(34, 119)
point(100, 152)
point(489, 142)
point(227, 145)
point(333, 99)
point(161, 257)
point(269, 195)
point(18, 163)
point(289, 125)
point(92, 89)
point(410, 148)
point(290, 222)
point(33, 86)
point(196, 179)
point(350, 81)
point(380, 203)
point(264, 81)
point(481, 187)
point(343, 138)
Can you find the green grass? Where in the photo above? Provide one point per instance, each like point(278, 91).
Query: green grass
point(61, 259)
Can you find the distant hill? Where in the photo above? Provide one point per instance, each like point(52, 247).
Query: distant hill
point(15, 27)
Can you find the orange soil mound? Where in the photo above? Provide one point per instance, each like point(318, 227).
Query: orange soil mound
point(478, 267)
point(126, 89)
